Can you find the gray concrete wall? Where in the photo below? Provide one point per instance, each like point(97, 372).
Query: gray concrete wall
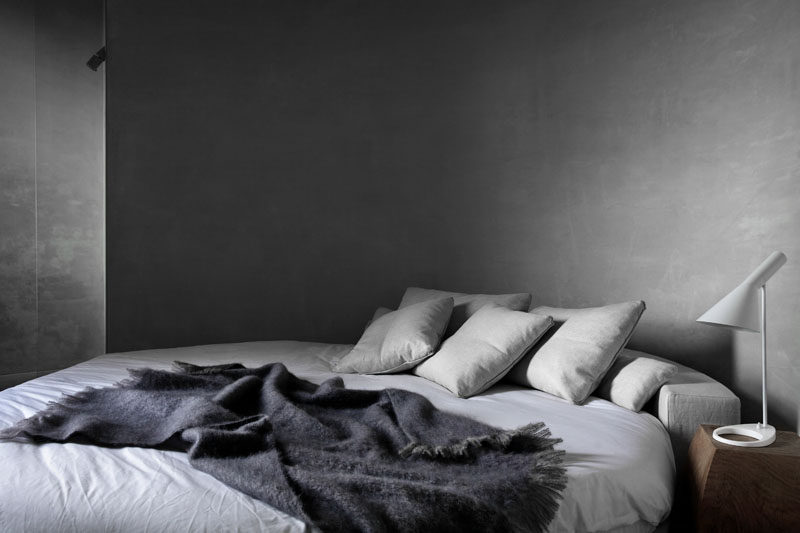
point(642, 150)
point(279, 171)
point(51, 187)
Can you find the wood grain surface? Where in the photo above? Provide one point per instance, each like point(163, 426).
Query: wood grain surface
point(745, 489)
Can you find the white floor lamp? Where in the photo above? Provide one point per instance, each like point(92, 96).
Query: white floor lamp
point(740, 309)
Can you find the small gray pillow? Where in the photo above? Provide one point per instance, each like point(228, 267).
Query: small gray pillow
point(465, 305)
point(572, 360)
point(480, 353)
point(398, 340)
point(634, 379)
point(379, 312)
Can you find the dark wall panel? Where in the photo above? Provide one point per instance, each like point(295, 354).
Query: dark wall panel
point(273, 168)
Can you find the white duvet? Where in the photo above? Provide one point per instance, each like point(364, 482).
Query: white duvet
point(619, 463)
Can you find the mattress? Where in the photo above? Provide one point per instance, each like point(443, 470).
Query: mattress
point(619, 463)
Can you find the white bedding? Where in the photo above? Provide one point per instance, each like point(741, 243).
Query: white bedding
point(619, 463)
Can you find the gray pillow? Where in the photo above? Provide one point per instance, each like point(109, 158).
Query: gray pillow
point(379, 312)
point(398, 340)
point(480, 353)
point(465, 305)
point(634, 379)
point(571, 361)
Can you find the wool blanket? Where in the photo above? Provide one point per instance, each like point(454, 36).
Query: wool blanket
point(336, 458)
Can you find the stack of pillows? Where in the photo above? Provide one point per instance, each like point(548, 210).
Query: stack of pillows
point(468, 342)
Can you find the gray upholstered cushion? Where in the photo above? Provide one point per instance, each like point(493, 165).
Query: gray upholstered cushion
point(572, 360)
point(398, 340)
point(465, 305)
point(688, 399)
point(480, 353)
point(633, 380)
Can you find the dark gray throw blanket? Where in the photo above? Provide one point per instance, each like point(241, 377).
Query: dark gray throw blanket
point(340, 459)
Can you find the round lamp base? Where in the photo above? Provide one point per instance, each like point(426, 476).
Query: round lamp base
point(764, 435)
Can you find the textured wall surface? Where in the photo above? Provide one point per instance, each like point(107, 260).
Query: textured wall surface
point(17, 189)
point(279, 171)
point(642, 150)
point(51, 180)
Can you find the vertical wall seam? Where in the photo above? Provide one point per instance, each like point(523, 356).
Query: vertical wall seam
point(104, 170)
point(35, 198)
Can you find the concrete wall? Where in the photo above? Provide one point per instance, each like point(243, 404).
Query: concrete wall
point(51, 187)
point(642, 150)
point(279, 171)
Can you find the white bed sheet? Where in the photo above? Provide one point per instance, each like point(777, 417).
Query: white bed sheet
point(619, 463)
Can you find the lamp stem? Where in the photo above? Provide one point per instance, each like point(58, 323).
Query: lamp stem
point(764, 354)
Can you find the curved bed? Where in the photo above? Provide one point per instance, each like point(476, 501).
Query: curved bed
point(620, 464)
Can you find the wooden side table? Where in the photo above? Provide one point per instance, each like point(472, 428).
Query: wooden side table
point(745, 489)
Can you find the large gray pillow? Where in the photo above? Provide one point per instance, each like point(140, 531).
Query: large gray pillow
point(480, 353)
point(398, 340)
point(634, 379)
point(465, 305)
point(572, 360)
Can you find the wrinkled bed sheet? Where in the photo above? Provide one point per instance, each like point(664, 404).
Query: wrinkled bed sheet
point(619, 463)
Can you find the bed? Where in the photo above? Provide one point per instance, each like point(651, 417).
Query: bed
point(620, 464)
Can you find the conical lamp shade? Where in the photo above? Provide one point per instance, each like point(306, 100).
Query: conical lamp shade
point(739, 309)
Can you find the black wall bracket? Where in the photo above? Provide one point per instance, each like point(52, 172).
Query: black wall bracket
point(97, 59)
